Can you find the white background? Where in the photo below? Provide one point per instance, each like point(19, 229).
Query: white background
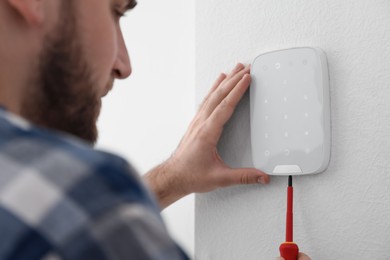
point(145, 116)
point(343, 213)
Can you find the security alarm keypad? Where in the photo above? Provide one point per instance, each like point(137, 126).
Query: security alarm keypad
point(290, 113)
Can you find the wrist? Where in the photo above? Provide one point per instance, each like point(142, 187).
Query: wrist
point(165, 183)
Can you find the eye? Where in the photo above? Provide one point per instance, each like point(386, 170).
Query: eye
point(118, 14)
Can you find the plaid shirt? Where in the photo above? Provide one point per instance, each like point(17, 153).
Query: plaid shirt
point(61, 199)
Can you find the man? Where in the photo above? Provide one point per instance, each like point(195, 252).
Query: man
point(60, 198)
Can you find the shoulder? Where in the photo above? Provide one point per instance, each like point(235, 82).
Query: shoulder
point(58, 192)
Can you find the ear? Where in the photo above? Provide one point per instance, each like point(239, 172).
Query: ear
point(32, 11)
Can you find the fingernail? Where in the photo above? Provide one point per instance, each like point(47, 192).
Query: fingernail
point(263, 180)
point(239, 65)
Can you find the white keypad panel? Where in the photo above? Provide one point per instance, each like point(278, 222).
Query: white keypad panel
point(289, 111)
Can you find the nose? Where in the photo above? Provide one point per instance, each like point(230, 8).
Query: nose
point(122, 66)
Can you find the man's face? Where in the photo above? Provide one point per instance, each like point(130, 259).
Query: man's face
point(79, 61)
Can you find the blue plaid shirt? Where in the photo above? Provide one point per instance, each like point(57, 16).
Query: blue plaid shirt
point(61, 199)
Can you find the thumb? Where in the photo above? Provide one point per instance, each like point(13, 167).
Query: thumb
point(247, 176)
point(303, 256)
point(279, 258)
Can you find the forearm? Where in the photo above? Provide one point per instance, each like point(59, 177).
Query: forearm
point(165, 184)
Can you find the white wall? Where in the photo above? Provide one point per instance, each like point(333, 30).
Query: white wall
point(145, 116)
point(343, 213)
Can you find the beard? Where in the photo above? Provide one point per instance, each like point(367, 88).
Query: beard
point(63, 95)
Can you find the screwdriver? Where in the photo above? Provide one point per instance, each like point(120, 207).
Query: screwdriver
point(289, 250)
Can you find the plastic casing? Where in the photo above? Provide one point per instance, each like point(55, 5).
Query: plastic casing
point(290, 112)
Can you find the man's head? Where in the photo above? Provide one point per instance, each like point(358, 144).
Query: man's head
point(76, 52)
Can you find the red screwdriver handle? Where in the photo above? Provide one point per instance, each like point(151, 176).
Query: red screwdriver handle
point(289, 251)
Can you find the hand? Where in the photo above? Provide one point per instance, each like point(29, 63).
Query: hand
point(196, 165)
point(301, 256)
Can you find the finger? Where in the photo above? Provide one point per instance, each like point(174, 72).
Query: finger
point(235, 70)
point(239, 69)
point(225, 109)
point(221, 77)
point(225, 87)
point(302, 256)
point(223, 90)
point(280, 258)
point(245, 176)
